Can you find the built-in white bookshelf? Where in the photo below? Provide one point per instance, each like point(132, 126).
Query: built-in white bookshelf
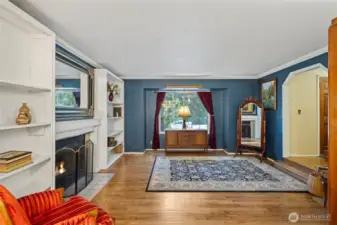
point(27, 75)
point(112, 124)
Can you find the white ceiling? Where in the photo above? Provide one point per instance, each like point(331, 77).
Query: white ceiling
point(218, 38)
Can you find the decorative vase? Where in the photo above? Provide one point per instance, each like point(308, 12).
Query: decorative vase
point(111, 97)
point(22, 119)
point(24, 108)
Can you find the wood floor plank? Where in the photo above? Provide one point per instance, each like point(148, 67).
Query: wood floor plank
point(124, 197)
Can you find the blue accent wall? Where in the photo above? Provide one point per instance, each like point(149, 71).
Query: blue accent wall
point(140, 105)
point(274, 118)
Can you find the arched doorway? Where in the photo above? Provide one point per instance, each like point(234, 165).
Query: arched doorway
point(295, 134)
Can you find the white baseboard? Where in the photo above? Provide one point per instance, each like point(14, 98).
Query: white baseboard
point(304, 155)
point(150, 149)
point(133, 153)
point(172, 150)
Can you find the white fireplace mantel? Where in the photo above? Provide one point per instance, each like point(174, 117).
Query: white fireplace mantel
point(67, 129)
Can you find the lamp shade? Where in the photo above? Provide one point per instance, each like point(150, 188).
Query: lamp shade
point(184, 112)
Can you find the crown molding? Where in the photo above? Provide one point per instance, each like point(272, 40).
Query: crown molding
point(187, 78)
point(77, 52)
point(294, 62)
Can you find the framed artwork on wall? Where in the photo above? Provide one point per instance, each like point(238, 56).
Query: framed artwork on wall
point(268, 94)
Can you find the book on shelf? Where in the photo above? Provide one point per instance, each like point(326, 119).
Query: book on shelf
point(17, 162)
point(12, 156)
point(14, 167)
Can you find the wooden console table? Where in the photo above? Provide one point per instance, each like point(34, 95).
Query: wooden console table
point(186, 139)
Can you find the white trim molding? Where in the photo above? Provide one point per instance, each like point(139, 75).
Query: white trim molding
point(165, 77)
point(294, 62)
point(244, 153)
point(150, 149)
point(285, 107)
point(77, 52)
point(186, 150)
point(133, 153)
point(304, 155)
point(67, 129)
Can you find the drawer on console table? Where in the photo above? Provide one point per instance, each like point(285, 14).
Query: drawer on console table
point(186, 139)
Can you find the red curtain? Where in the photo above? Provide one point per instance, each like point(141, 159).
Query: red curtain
point(159, 102)
point(206, 99)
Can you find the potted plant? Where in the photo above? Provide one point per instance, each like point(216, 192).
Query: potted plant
point(113, 91)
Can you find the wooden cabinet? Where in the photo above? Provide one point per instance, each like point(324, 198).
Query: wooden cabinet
point(186, 139)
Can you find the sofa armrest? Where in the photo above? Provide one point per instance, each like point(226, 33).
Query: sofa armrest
point(38, 203)
point(88, 218)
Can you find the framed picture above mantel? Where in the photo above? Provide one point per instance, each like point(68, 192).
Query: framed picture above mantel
point(268, 94)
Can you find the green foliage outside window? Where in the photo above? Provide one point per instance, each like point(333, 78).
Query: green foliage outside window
point(170, 108)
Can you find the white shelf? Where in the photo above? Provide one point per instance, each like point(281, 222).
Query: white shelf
point(28, 78)
point(112, 148)
point(37, 159)
point(112, 126)
point(114, 133)
point(25, 87)
point(114, 118)
point(113, 158)
point(15, 126)
point(115, 103)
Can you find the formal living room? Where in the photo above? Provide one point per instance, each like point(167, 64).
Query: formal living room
point(147, 112)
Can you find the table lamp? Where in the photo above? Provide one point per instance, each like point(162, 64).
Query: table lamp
point(184, 112)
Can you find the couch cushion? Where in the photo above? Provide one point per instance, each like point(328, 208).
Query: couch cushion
point(37, 203)
point(15, 211)
point(72, 208)
point(4, 216)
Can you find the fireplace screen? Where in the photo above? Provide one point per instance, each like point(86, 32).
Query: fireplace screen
point(74, 165)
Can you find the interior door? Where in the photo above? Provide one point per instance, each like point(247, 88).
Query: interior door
point(323, 89)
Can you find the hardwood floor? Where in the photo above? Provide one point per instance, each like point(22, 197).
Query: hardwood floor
point(124, 197)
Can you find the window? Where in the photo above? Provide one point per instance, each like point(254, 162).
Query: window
point(74, 86)
point(169, 112)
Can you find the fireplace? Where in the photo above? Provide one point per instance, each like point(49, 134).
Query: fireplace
point(74, 164)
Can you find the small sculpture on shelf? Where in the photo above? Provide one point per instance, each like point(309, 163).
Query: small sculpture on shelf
point(112, 142)
point(113, 90)
point(24, 116)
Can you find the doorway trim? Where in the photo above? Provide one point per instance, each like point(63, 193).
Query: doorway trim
point(285, 108)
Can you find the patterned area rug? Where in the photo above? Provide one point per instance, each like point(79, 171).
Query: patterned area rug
point(199, 174)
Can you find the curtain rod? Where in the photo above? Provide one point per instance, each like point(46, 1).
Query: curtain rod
point(184, 90)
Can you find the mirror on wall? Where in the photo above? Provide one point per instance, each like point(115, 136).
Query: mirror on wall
point(251, 127)
point(71, 87)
